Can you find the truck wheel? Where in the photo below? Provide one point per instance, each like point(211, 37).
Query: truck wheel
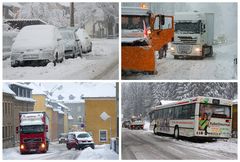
point(211, 51)
point(176, 132)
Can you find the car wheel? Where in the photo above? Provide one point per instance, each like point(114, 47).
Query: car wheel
point(92, 146)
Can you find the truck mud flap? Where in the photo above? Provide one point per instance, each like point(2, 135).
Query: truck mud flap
point(138, 59)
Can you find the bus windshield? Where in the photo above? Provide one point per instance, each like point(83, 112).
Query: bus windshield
point(32, 129)
point(134, 22)
point(215, 111)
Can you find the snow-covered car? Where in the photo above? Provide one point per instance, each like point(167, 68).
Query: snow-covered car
point(37, 44)
point(79, 140)
point(85, 40)
point(71, 42)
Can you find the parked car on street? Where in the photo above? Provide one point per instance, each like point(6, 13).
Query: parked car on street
point(85, 40)
point(80, 140)
point(37, 45)
point(72, 43)
point(62, 138)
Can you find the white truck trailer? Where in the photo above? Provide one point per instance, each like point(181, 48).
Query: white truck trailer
point(194, 34)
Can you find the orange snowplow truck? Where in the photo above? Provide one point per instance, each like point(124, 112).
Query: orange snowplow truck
point(143, 33)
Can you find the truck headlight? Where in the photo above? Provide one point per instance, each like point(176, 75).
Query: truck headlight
point(22, 146)
point(172, 48)
point(197, 49)
point(43, 145)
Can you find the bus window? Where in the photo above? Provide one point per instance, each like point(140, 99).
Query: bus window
point(171, 113)
point(160, 113)
point(178, 111)
point(188, 111)
point(215, 111)
point(165, 112)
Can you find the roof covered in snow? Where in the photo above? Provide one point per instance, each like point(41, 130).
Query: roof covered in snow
point(36, 89)
point(21, 85)
point(7, 90)
point(24, 99)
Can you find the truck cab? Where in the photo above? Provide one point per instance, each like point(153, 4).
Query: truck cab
point(193, 36)
point(143, 33)
point(32, 131)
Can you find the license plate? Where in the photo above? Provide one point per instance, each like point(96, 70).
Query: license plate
point(30, 56)
point(32, 149)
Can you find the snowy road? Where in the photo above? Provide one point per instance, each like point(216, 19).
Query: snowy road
point(144, 145)
point(56, 151)
point(219, 67)
point(60, 152)
point(101, 63)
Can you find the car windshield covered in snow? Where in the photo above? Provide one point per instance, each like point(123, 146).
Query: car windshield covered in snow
point(67, 35)
point(188, 27)
point(83, 135)
point(32, 129)
point(134, 22)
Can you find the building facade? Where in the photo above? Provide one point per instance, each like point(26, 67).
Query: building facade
point(100, 118)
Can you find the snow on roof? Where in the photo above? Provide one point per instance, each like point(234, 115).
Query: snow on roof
point(47, 105)
point(12, 5)
point(165, 102)
point(24, 99)
point(74, 101)
point(235, 101)
point(70, 117)
point(21, 85)
point(64, 106)
point(85, 90)
point(36, 89)
point(7, 90)
point(60, 111)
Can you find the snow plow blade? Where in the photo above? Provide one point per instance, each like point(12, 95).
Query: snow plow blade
point(138, 59)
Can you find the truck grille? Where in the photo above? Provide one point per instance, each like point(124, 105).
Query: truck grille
point(27, 140)
point(187, 40)
point(184, 49)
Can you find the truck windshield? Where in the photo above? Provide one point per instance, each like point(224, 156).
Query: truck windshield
point(215, 111)
point(134, 22)
point(32, 129)
point(188, 27)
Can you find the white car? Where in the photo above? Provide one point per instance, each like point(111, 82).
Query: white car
point(85, 40)
point(84, 140)
point(37, 44)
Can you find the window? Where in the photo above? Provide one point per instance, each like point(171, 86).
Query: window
point(103, 135)
point(178, 112)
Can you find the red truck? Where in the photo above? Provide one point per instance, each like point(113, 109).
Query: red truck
point(33, 128)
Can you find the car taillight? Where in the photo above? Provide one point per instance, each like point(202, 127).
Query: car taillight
point(22, 146)
point(228, 121)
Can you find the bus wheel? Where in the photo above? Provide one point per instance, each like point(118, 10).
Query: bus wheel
point(154, 130)
point(176, 132)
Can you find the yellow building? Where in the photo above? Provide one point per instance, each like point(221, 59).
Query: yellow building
point(65, 123)
point(41, 105)
point(100, 118)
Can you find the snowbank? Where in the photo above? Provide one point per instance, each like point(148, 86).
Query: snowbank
point(229, 146)
point(101, 152)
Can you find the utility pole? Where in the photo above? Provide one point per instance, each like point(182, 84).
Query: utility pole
point(72, 14)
